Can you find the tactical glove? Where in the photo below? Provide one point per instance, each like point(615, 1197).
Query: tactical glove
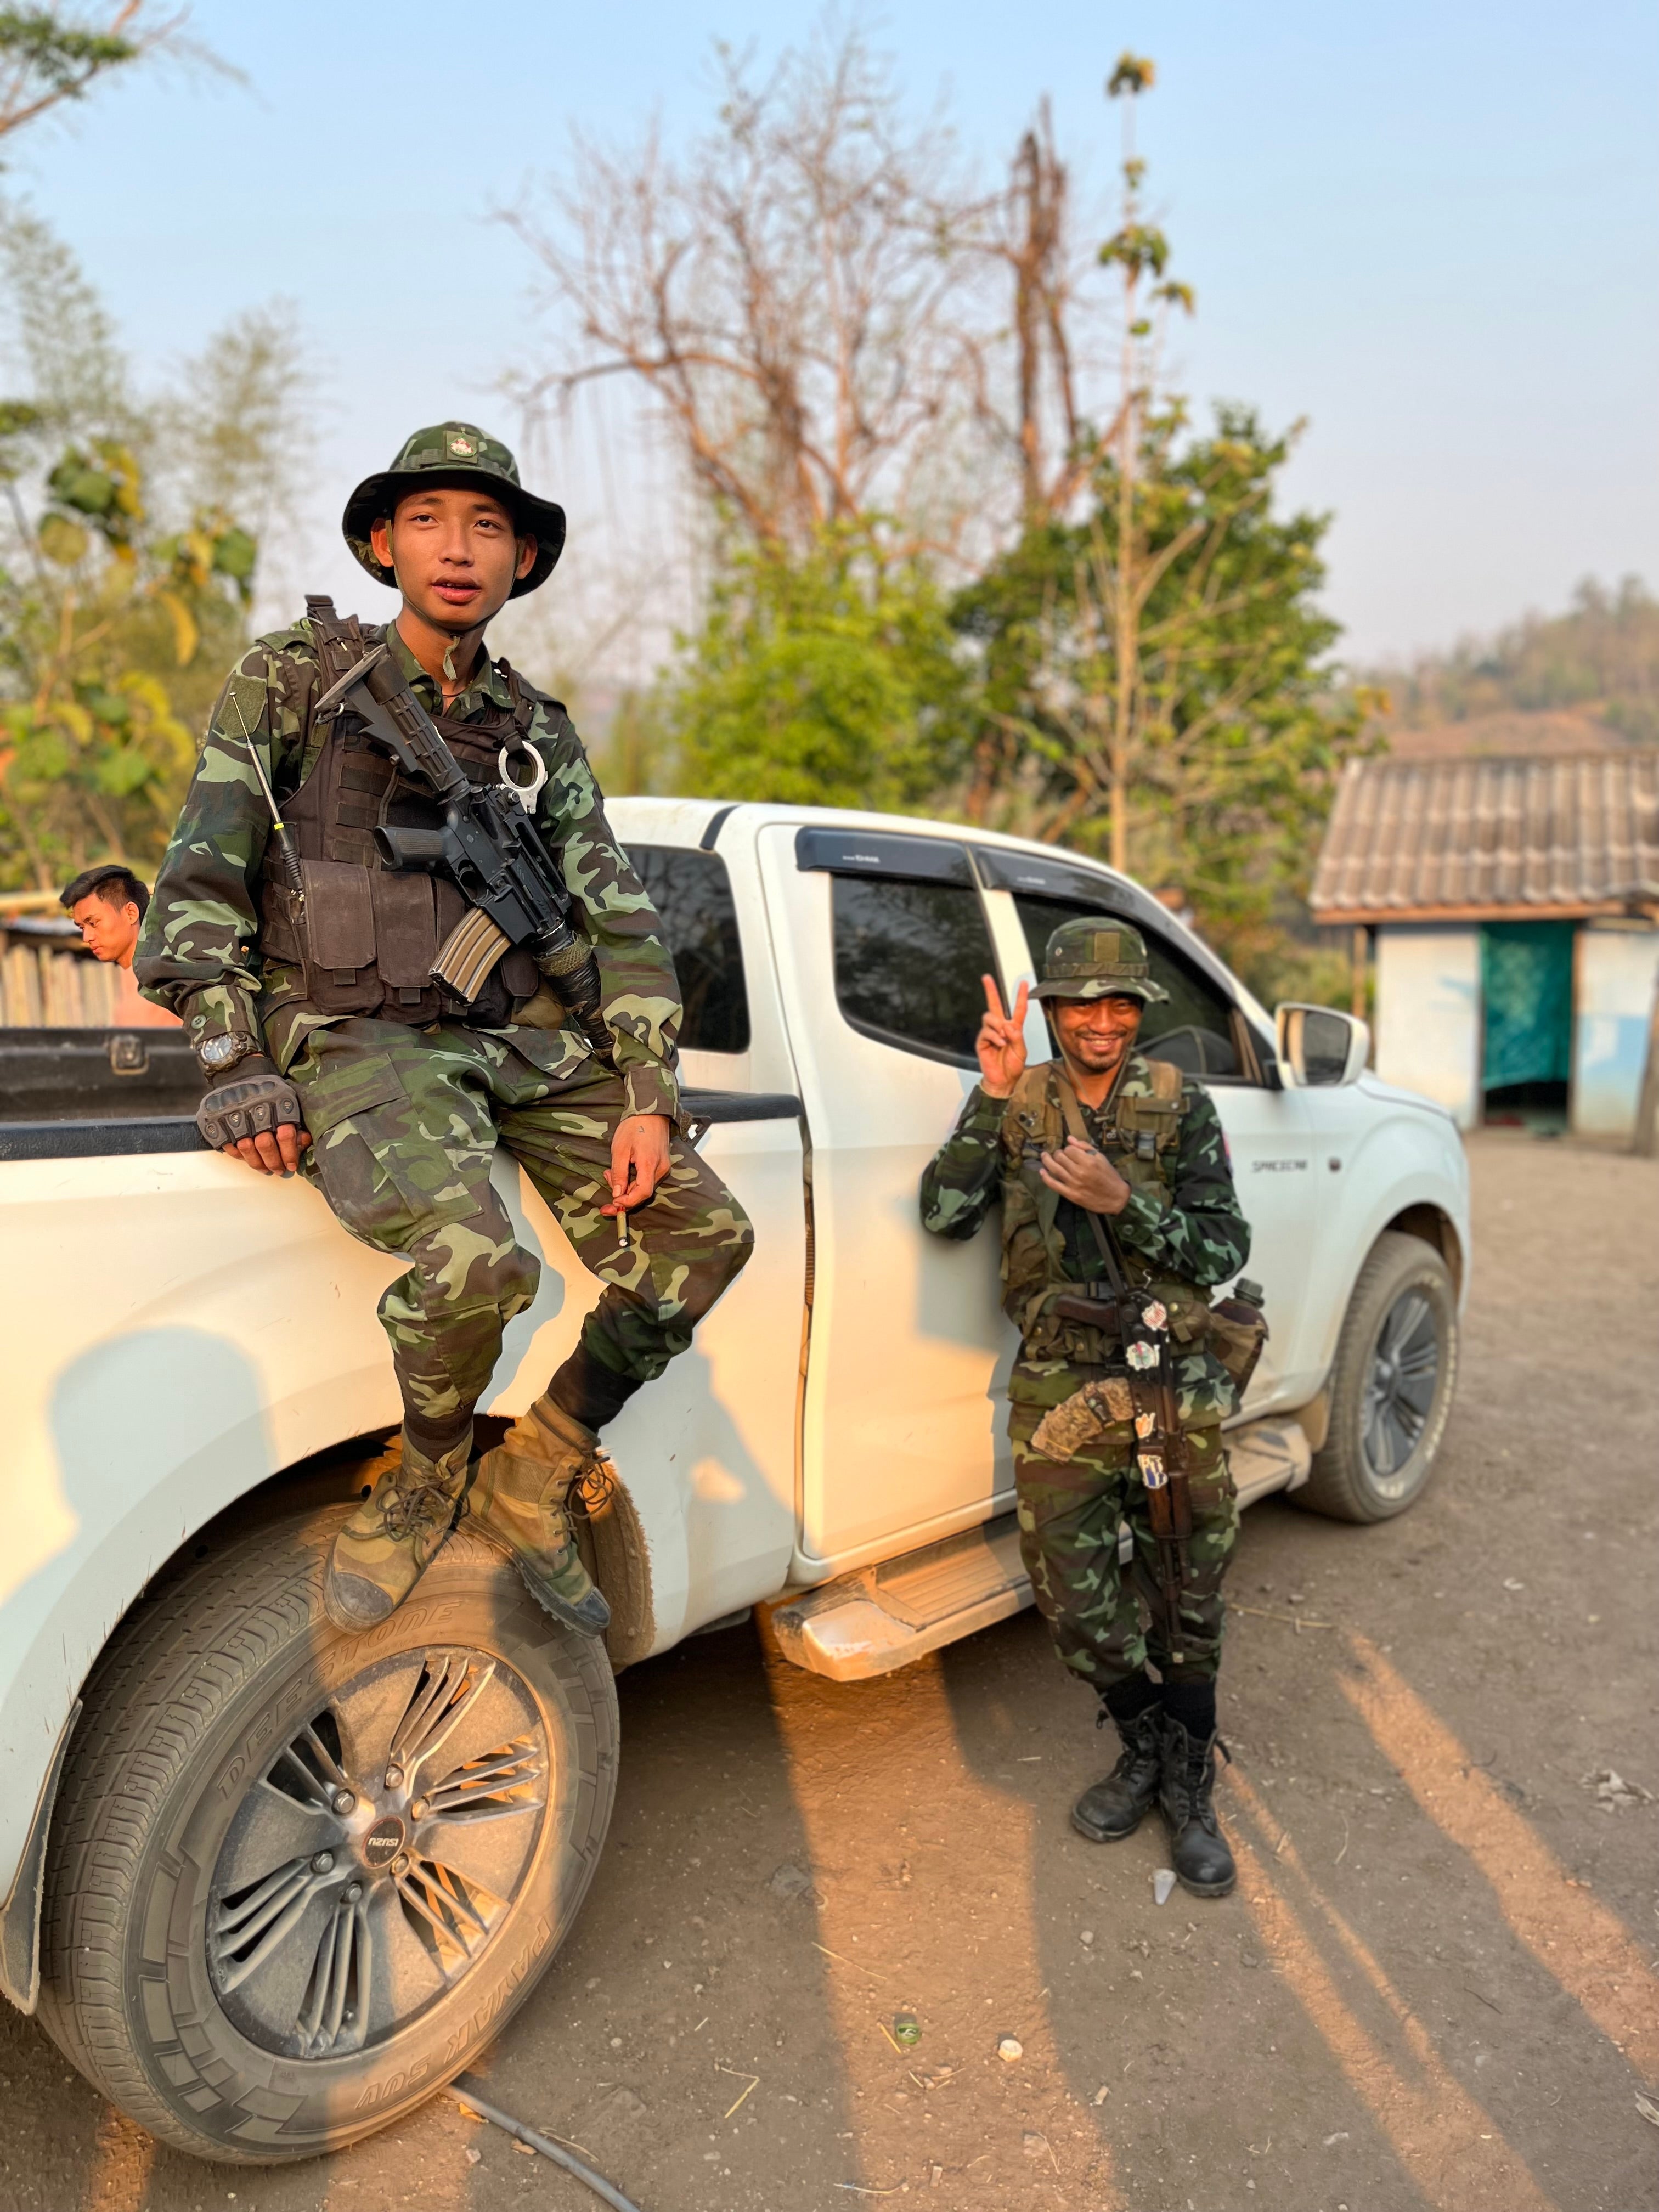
point(251, 1099)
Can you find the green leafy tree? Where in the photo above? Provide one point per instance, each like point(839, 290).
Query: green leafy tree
point(633, 749)
point(127, 574)
point(1217, 774)
point(46, 57)
point(1150, 674)
point(823, 680)
point(96, 752)
point(51, 56)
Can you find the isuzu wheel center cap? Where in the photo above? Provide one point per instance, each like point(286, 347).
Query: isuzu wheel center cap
point(382, 1843)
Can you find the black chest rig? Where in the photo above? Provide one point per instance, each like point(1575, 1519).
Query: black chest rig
point(367, 935)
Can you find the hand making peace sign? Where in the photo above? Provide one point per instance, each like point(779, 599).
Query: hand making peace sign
point(1001, 1044)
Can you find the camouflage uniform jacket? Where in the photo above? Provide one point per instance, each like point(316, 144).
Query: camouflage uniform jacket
point(199, 955)
point(1181, 1232)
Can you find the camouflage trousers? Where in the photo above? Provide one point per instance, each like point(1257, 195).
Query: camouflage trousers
point(1071, 1520)
point(404, 1125)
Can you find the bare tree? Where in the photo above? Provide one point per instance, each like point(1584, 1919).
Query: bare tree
point(1026, 235)
point(789, 294)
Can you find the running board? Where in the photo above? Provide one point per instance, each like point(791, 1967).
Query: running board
point(884, 1616)
point(1269, 1456)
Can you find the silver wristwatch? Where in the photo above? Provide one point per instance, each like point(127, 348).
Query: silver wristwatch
point(217, 1054)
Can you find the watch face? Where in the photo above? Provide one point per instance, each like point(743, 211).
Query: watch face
point(221, 1051)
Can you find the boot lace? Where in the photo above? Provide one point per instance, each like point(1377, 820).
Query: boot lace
point(410, 1507)
point(596, 1486)
point(1193, 1801)
point(1140, 1744)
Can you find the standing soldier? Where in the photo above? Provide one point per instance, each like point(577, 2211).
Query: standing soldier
point(1118, 1215)
point(302, 963)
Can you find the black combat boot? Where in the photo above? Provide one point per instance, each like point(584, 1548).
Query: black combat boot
point(1115, 1808)
point(1198, 1849)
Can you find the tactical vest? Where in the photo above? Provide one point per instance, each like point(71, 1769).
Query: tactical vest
point(1146, 1108)
point(367, 935)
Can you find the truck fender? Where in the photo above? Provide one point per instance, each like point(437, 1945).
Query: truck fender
point(20, 1916)
point(1398, 1178)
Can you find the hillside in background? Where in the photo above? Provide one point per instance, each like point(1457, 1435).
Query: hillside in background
point(1585, 681)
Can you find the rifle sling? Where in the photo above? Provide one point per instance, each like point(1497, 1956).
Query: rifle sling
point(1170, 1506)
point(1071, 1114)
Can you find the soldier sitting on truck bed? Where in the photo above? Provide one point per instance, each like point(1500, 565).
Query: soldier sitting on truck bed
point(310, 997)
point(1118, 1214)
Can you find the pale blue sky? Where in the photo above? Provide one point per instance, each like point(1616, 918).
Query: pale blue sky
point(1431, 229)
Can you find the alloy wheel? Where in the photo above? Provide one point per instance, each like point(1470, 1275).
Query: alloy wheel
point(1400, 1390)
point(371, 1861)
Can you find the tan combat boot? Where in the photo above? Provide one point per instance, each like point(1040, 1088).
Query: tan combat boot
point(393, 1537)
point(521, 1493)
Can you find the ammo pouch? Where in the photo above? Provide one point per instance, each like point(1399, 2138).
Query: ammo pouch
point(368, 938)
point(350, 919)
point(1237, 1329)
point(1065, 1429)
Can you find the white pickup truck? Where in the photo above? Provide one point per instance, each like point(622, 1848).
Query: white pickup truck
point(269, 1886)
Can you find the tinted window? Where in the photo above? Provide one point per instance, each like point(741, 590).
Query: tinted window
point(692, 893)
point(1191, 1028)
point(908, 959)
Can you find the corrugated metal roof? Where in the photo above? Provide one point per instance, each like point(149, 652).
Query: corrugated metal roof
point(1416, 838)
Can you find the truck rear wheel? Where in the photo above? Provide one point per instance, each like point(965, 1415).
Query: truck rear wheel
point(1391, 1386)
point(297, 1879)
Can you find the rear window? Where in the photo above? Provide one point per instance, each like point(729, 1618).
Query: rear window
point(908, 960)
point(1192, 1028)
point(692, 894)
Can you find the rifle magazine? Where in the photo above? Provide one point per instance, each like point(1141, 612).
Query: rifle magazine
point(468, 953)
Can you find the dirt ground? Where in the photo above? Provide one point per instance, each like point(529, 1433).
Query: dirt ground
point(1436, 1984)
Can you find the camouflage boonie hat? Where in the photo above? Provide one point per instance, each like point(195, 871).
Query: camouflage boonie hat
point(1095, 958)
point(455, 452)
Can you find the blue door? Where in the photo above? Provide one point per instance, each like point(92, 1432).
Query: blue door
point(1526, 992)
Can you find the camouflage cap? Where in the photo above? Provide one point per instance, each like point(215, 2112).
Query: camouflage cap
point(455, 452)
point(1096, 958)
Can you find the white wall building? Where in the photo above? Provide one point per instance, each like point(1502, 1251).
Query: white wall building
point(1513, 905)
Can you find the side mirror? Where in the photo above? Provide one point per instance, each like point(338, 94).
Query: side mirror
point(1320, 1047)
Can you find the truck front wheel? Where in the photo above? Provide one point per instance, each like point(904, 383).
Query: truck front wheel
point(297, 1879)
point(1391, 1386)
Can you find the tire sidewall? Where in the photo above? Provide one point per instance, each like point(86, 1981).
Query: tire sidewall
point(1402, 1270)
point(270, 2107)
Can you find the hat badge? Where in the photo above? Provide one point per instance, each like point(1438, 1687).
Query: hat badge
point(462, 448)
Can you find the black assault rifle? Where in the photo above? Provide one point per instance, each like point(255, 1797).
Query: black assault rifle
point(488, 847)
